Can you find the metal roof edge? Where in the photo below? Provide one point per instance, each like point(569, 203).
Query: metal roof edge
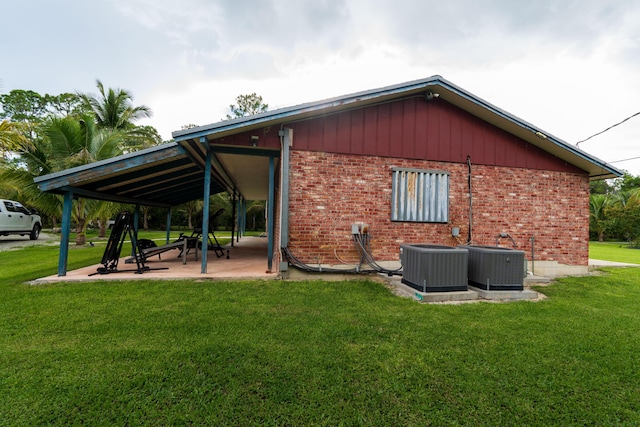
point(287, 112)
point(133, 154)
point(282, 114)
point(526, 125)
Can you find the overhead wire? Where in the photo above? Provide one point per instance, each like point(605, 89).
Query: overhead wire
point(607, 129)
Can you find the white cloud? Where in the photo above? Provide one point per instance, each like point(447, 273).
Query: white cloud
point(569, 67)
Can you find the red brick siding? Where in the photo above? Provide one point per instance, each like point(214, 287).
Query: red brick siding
point(329, 192)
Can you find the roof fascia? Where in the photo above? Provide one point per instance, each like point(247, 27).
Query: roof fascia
point(535, 131)
point(538, 137)
point(67, 177)
point(289, 113)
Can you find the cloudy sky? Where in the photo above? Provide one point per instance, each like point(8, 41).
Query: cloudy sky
point(570, 67)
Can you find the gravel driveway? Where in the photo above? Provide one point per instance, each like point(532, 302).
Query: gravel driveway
point(17, 241)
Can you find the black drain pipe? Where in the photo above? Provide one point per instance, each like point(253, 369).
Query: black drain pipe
point(470, 235)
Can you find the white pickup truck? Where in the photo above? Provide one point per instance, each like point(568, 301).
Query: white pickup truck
point(16, 219)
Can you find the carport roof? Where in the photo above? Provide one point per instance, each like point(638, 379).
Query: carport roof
point(165, 175)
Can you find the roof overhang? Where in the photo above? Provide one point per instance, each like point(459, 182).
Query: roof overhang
point(596, 168)
point(164, 176)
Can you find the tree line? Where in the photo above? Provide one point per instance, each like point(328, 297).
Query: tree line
point(43, 134)
point(614, 207)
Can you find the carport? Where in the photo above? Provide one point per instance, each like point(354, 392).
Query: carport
point(190, 168)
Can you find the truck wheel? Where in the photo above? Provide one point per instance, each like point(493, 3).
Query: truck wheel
point(35, 233)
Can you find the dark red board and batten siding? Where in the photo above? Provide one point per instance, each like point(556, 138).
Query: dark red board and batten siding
point(416, 129)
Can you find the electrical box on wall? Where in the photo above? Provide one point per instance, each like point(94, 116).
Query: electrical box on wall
point(359, 228)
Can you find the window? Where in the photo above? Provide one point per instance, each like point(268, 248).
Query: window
point(9, 206)
point(419, 195)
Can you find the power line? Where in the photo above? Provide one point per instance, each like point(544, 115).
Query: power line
point(609, 128)
point(624, 160)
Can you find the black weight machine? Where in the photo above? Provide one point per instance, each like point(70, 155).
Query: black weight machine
point(121, 229)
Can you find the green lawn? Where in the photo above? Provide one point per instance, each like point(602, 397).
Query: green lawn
point(620, 252)
point(310, 353)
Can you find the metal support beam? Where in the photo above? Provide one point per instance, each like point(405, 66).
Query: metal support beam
point(270, 210)
point(65, 231)
point(168, 225)
point(134, 238)
point(240, 219)
point(233, 217)
point(205, 207)
point(244, 216)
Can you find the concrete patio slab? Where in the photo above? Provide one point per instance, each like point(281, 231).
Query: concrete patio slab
point(247, 260)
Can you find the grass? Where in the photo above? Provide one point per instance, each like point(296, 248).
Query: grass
point(614, 251)
point(310, 353)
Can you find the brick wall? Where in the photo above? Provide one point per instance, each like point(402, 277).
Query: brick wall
point(329, 192)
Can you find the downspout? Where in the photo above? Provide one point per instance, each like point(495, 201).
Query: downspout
point(470, 235)
point(286, 141)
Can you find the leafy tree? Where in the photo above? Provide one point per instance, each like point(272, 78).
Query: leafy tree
point(23, 106)
point(627, 182)
point(65, 104)
point(190, 209)
point(601, 186)
point(625, 212)
point(256, 215)
point(247, 105)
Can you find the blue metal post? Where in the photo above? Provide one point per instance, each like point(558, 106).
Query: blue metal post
point(244, 216)
point(234, 219)
point(65, 231)
point(240, 219)
point(168, 225)
point(136, 217)
point(270, 219)
point(205, 207)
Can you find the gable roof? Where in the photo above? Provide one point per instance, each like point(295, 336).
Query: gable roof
point(596, 168)
point(173, 173)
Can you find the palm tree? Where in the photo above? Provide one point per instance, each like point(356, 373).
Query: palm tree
point(79, 142)
point(113, 109)
point(10, 137)
point(598, 206)
point(32, 157)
